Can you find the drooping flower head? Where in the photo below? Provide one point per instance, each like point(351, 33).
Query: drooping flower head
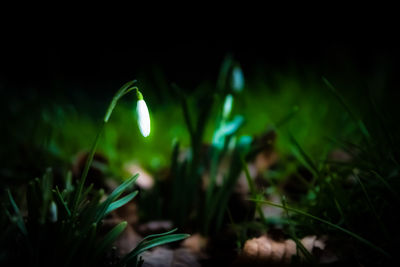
point(143, 117)
point(228, 104)
point(237, 79)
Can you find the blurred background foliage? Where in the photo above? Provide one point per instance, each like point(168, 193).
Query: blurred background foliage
point(53, 98)
point(290, 101)
point(53, 95)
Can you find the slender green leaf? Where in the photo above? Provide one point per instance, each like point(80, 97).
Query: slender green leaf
point(20, 219)
point(185, 109)
point(292, 113)
point(60, 199)
point(252, 189)
point(293, 235)
point(113, 196)
point(359, 238)
point(304, 155)
point(153, 236)
point(119, 203)
point(359, 122)
point(371, 206)
point(383, 181)
point(143, 246)
point(110, 237)
point(157, 235)
point(87, 191)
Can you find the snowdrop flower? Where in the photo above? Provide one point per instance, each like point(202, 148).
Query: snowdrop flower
point(227, 106)
point(143, 116)
point(53, 212)
point(237, 79)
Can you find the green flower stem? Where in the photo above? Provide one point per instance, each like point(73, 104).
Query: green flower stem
point(87, 165)
point(126, 88)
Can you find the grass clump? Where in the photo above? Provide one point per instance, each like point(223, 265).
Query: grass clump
point(63, 224)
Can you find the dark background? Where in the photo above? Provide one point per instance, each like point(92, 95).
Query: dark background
point(73, 68)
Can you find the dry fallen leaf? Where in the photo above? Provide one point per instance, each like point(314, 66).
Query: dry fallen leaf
point(145, 179)
point(266, 250)
point(197, 244)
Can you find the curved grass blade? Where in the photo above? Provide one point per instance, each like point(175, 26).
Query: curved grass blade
point(371, 206)
point(287, 118)
point(111, 237)
point(359, 238)
point(113, 196)
point(185, 109)
point(252, 188)
point(358, 121)
point(20, 220)
point(304, 155)
point(60, 200)
point(119, 203)
point(157, 235)
point(143, 246)
point(307, 255)
point(384, 182)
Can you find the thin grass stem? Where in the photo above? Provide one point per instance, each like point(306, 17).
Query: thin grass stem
point(359, 238)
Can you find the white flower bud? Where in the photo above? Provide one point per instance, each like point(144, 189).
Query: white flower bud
point(237, 79)
point(53, 212)
point(227, 106)
point(143, 117)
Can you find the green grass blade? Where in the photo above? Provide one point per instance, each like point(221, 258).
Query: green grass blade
point(153, 243)
point(359, 238)
point(87, 191)
point(287, 118)
point(304, 155)
point(149, 237)
point(120, 189)
point(383, 181)
point(371, 206)
point(113, 196)
point(110, 237)
point(60, 199)
point(224, 71)
point(359, 122)
point(308, 256)
point(185, 109)
point(248, 177)
point(20, 219)
point(119, 203)
point(157, 235)
point(252, 189)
